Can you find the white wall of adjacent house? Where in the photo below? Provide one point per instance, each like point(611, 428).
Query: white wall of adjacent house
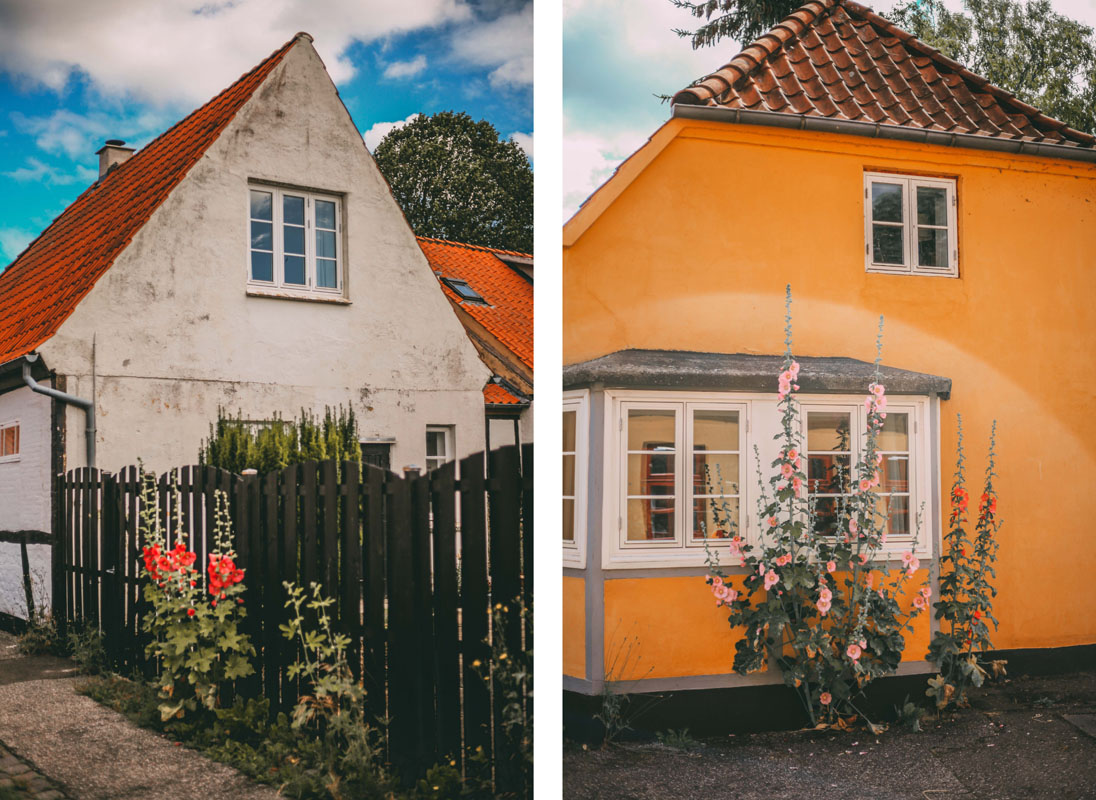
point(25, 494)
point(178, 334)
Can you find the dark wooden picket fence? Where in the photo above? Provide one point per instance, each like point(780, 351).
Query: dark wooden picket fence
point(413, 593)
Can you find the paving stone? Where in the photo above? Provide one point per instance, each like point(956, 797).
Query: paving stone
point(1083, 722)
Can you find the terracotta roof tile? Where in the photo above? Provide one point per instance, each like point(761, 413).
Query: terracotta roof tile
point(42, 287)
point(496, 395)
point(837, 58)
point(509, 313)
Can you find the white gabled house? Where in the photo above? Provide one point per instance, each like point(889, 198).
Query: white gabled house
point(253, 258)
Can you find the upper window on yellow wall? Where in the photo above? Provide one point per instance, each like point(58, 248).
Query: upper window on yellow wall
point(909, 225)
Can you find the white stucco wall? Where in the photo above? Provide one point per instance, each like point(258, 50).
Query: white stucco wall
point(177, 336)
point(25, 498)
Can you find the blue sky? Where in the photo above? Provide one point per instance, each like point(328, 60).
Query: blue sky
point(76, 72)
point(619, 54)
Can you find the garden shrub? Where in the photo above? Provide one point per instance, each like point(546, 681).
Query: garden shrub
point(825, 609)
point(966, 594)
point(235, 444)
point(195, 618)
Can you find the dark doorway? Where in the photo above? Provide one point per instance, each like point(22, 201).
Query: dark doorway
point(379, 454)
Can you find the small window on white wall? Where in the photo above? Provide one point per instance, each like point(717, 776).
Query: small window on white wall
point(910, 225)
point(575, 458)
point(294, 240)
point(9, 441)
point(439, 445)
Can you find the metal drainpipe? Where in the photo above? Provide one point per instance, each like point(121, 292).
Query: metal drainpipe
point(87, 405)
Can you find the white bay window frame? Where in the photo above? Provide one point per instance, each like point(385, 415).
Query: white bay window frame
point(759, 422)
point(312, 259)
point(574, 551)
point(910, 226)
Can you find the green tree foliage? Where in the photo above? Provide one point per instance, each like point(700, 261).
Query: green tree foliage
point(1046, 59)
point(236, 445)
point(454, 179)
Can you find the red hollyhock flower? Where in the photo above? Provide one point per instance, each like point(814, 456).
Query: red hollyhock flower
point(190, 612)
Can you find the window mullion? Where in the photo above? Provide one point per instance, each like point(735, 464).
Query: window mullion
point(279, 259)
point(684, 453)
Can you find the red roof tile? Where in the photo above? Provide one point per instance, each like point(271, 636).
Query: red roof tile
point(42, 287)
point(508, 316)
point(839, 59)
point(496, 395)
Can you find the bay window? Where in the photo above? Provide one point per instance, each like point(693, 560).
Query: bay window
point(575, 470)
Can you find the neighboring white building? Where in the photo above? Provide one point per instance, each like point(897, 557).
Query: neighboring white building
point(251, 258)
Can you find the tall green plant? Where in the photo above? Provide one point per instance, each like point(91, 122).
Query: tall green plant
point(966, 594)
point(235, 444)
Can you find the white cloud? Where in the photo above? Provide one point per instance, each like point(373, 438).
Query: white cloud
point(590, 158)
point(186, 51)
point(406, 69)
point(504, 45)
point(374, 135)
point(13, 241)
point(38, 172)
point(78, 136)
point(525, 142)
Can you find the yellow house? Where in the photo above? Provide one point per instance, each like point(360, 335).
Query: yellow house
point(840, 155)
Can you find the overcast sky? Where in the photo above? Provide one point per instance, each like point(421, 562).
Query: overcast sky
point(76, 72)
point(618, 55)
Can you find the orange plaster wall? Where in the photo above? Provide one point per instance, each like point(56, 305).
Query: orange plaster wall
point(574, 627)
point(695, 252)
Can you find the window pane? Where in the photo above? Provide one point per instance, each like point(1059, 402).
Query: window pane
point(325, 214)
point(828, 474)
point(710, 517)
point(824, 519)
point(262, 205)
point(651, 473)
point(325, 244)
point(932, 247)
point(262, 236)
point(294, 270)
point(326, 274)
point(932, 206)
point(649, 429)
point(569, 475)
point(828, 430)
point(568, 520)
point(294, 240)
point(898, 507)
point(262, 266)
point(650, 520)
point(570, 421)
point(435, 443)
point(715, 430)
point(715, 473)
point(895, 434)
point(886, 202)
point(894, 473)
point(293, 210)
point(887, 246)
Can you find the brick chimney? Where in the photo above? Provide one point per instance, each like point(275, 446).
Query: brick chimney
point(111, 154)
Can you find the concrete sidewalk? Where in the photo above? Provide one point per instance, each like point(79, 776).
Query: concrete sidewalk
point(89, 752)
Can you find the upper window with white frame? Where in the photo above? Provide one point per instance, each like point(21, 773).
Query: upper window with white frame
point(295, 241)
point(439, 445)
point(9, 441)
point(909, 225)
point(682, 468)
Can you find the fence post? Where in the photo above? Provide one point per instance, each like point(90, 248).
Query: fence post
point(447, 600)
point(475, 612)
point(403, 652)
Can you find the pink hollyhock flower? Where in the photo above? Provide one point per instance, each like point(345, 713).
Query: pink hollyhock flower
point(864, 644)
point(914, 565)
point(877, 389)
point(825, 698)
point(831, 566)
point(784, 559)
point(865, 484)
point(773, 522)
point(854, 526)
point(760, 569)
point(721, 592)
point(793, 370)
point(823, 607)
point(732, 595)
point(825, 594)
point(771, 579)
point(878, 458)
point(863, 558)
point(869, 581)
point(881, 405)
point(919, 602)
point(907, 557)
point(715, 580)
point(853, 652)
point(926, 592)
point(786, 469)
point(792, 454)
point(797, 484)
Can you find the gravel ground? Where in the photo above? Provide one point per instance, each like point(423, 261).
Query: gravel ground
point(93, 753)
point(1023, 739)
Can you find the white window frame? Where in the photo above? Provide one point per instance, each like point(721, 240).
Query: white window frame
point(919, 470)
point(447, 439)
point(574, 552)
point(759, 421)
point(19, 433)
point(310, 289)
point(910, 184)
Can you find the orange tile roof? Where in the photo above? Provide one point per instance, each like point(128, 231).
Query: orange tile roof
point(509, 313)
point(497, 395)
point(839, 59)
point(42, 287)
